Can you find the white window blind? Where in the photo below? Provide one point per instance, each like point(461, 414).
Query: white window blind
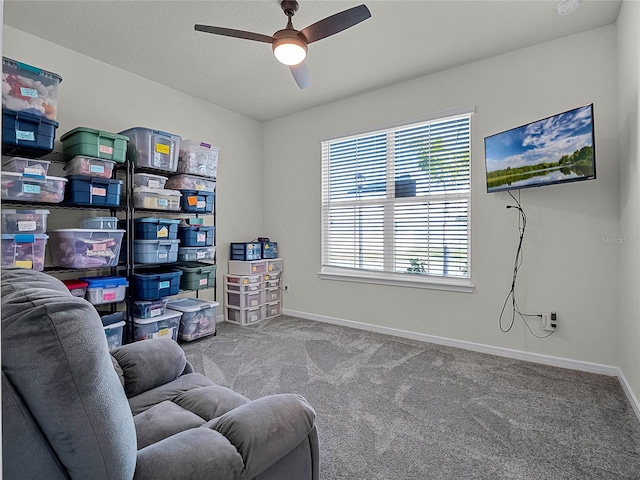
point(396, 201)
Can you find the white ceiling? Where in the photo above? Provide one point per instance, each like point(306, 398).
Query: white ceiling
point(402, 40)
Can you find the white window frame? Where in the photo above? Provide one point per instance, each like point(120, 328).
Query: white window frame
point(449, 283)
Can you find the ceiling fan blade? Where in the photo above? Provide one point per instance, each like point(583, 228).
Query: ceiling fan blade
point(335, 23)
point(301, 75)
point(230, 32)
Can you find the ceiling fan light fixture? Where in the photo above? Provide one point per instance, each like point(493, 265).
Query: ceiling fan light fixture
point(290, 50)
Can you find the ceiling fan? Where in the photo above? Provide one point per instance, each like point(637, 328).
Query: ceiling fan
point(290, 45)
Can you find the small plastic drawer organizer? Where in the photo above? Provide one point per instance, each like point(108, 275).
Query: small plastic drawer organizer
point(254, 267)
point(77, 288)
point(102, 290)
point(100, 192)
point(89, 166)
point(149, 308)
point(155, 251)
point(95, 143)
point(163, 326)
point(245, 251)
point(99, 223)
point(113, 333)
point(30, 89)
point(244, 300)
point(196, 276)
point(272, 310)
point(274, 265)
point(25, 133)
point(269, 249)
point(242, 283)
point(198, 317)
point(244, 316)
point(196, 254)
point(195, 235)
point(271, 295)
point(153, 285)
point(32, 188)
point(149, 180)
point(24, 221)
point(85, 248)
point(156, 198)
point(272, 280)
point(27, 165)
point(191, 182)
point(198, 158)
point(197, 201)
point(153, 148)
point(24, 250)
point(151, 228)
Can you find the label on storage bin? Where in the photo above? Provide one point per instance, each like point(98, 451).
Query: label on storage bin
point(32, 171)
point(163, 202)
point(27, 226)
point(201, 255)
point(106, 149)
point(97, 168)
point(29, 188)
point(163, 255)
point(203, 281)
point(153, 183)
point(199, 187)
point(155, 312)
point(24, 135)
point(192, 201)
point(23, 264)
point(163, 232)
point(99, 192)
point(108, 296)
point(201, 237)
point(165, 284)
point(29, 92)
point(202, 204)
point(164, 149)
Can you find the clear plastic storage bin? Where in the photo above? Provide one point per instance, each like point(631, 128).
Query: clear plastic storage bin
point(102, 290)
point(24, 221)
point(156, 198)
point(255, 267)
point(89, 166)
point(196, 254)
point(163, 326)
point(24, 250)
point(153, 148)
point(149, 180)
point(243, 316)
point(113, 333)
point(198, 158)
point(198, 317)
point(27, 165)
point(32, 188)
point(99, 223)
point(85, 248)
point(191, 182)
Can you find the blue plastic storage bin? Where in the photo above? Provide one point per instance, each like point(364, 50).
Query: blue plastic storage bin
point(154, 285)
point(269, 249)
point(148, 228)
point(149, 308)
point(195, 235)
point(155, 251)
point(197, 201)
point(245, 251)
point(86, 190)
point(26, 133)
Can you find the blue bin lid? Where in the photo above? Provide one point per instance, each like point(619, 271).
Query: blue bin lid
point(105, 282)
point(92, 180)
point(24, 237)
point(204, 193)
point(158, 275)
point(156, 220)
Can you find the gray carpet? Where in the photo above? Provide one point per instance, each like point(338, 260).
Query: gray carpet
point(391, 408)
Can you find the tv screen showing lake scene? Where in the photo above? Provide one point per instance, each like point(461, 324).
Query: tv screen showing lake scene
point(553, 150)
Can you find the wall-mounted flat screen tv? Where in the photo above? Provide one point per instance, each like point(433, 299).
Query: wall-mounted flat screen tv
point(556, 149)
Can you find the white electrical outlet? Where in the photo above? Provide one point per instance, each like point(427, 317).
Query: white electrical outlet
point(549, 321)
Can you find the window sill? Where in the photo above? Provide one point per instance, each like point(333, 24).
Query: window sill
point(462, 285)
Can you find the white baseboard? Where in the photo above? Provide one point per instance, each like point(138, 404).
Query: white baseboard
point(489, 349)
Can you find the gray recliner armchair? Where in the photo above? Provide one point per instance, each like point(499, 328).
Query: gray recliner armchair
point(70, 409)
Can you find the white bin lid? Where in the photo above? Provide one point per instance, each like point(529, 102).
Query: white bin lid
point(157, 191)
point(190, 304)
point(114, 325)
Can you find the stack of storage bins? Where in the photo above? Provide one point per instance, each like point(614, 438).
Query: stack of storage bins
point(29, 109)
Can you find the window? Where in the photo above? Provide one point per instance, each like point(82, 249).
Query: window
point(395, 204)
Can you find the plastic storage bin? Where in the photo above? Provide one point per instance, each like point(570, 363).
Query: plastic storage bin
point(100, 192)
point(272, 310)
point(153, 148)
point(153, 285)
point(155, 251)
point(149, 309)
point(32, 188)
point(195, 235)
point(196, 276)
point(272, 280)
point(99, 223)
point(151, 228)
point(102, 290)
point(243, 284)
point(269, 249)
point(198, 317)
point(253, 267)
point(156, 198)
point(85, 248)
point(30, 89)
point(113, 333)
point(245, 251)
point(78, 288)
point(271, 295)
point(95, 143)
point(163, 326)
point(27, 165)
point(24, 221)
point(191, 182)
point(198, 158)
point(149, 180)
point(93, 167)
point(244, 300)
point(111, 318)
point(196, 254)
point(197, 201)
point(243, 316)
point(274, 265)
point(24, 250)
point(26, 133)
